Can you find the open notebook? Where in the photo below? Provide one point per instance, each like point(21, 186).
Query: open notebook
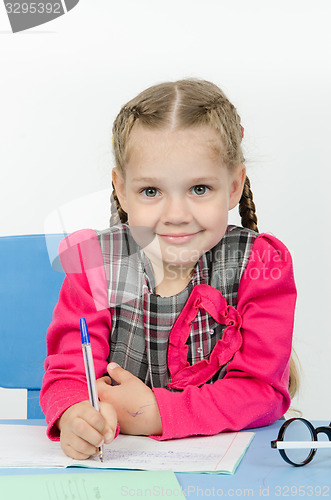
point(28, 446)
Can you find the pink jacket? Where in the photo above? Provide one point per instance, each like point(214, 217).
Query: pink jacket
point(254, 391)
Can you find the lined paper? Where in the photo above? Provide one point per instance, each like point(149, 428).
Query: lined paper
point(28, 446)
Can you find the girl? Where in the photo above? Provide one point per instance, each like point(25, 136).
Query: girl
point(193, 317)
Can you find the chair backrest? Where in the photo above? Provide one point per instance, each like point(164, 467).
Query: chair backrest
point(29, 289)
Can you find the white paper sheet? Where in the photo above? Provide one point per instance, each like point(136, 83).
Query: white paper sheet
point(28, 446)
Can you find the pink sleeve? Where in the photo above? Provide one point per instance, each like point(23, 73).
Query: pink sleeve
point(254, 391)
point(83, 294)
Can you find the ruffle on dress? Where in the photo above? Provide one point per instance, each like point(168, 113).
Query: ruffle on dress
point(182, 373)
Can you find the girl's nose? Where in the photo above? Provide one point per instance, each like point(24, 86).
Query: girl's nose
point(176, 211)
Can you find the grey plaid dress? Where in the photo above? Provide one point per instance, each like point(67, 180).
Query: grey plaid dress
point(142, 321)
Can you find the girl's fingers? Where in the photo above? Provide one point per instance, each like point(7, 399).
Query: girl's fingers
point(106, 379)
point(83, 429)
point(94, 418)
point(78, 448)
point(103, 387)
point(118, 374)
point(86, 430)
point(109, 414)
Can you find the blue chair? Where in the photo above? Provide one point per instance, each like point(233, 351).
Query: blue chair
point(29, 290)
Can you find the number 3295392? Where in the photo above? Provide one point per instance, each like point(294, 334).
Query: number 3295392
point(33, 8)
point(302, 491)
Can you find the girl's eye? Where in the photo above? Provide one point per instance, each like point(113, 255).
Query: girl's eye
point(150, 192)
point(200, 189)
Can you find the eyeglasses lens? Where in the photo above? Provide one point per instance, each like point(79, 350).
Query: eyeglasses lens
point(298, 431)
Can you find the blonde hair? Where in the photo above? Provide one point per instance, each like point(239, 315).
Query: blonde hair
point(185, 104)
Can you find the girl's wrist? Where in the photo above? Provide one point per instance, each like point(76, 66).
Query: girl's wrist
point(156, 423)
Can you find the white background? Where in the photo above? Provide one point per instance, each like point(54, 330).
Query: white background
point(63, 83)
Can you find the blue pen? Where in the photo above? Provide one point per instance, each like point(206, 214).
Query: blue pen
point(89, 369)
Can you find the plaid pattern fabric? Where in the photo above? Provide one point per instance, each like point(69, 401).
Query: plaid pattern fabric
point(141, 320)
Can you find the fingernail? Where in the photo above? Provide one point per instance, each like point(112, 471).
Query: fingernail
point(112, 365)
point(108, 437)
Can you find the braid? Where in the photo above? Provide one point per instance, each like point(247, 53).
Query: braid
point(121, 213)
point(247, 208)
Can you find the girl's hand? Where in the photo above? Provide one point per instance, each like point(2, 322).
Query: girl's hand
point(134, 402)
point(83, 429)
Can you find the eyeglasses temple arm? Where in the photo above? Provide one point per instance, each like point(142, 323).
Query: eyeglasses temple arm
point(287, 445)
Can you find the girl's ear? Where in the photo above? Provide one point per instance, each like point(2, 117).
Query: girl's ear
point(119, 183)
point(237, 185)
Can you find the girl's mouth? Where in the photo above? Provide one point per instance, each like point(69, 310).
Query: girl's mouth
point(177, 239)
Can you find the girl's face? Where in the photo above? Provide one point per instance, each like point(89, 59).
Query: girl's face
point(178, 190)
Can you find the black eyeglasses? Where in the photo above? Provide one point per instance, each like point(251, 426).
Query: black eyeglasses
point(297, 441)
